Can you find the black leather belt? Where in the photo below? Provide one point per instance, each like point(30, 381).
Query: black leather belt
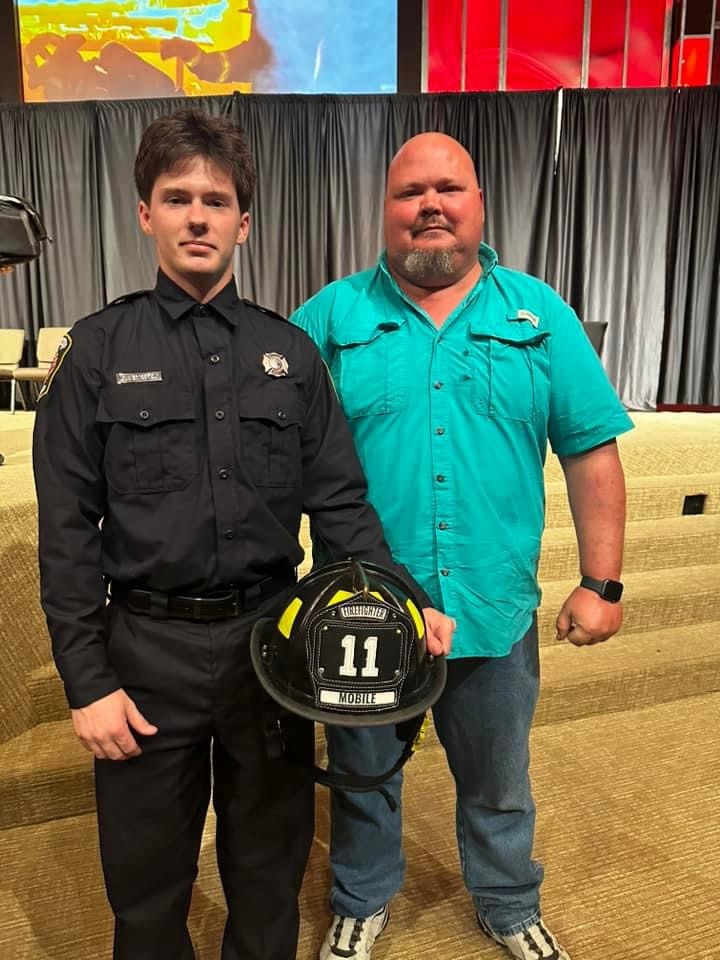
point(219, 604)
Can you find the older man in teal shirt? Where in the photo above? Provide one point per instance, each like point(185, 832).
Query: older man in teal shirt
point(454, 373)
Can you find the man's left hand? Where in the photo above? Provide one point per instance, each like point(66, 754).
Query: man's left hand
point(586, 618)
point(439, 631)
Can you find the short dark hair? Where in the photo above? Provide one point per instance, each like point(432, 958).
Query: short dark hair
point(171, 141)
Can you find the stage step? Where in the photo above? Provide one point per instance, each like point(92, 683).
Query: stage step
point(649, 545)
point(653, 599)
point(44, 774)
point(647, 497)
point(628, 672)
point(48, 695)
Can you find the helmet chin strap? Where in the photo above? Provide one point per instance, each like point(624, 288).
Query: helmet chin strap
point(410, 732)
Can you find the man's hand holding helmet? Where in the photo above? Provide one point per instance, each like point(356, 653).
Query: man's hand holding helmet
point(440, 629)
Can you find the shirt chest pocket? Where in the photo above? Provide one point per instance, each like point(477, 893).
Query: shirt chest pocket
point(151, 445)
point(511, 376)
point(270, 436)
point(370, 372)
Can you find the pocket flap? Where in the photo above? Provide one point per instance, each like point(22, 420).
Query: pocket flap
point(515, 334)
point(282, 408)
point(144, 405)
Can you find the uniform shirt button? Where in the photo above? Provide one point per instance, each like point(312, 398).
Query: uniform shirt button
point(443, 525)
point(282, 415)
point(223, 474)
point(439, 431)
point(219, 415)
point(214, 358)
point(201, 310)
point(229, 534)
point(440, 478)
point(445, 572)
point(144, 414)
point(438, 385)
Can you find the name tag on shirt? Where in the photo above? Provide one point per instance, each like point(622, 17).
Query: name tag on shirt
point(144, 376)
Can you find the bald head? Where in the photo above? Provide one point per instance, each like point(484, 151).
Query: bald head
point(425, 147)
point(433, 212)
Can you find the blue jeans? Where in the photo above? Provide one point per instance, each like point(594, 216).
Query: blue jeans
point(483, 721)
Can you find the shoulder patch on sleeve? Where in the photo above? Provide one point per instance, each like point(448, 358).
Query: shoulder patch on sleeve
point(62, 351)
point(267, 310)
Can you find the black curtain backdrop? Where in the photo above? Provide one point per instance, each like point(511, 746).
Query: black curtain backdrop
point(608, 246)
point(691, 350)
point(626, 228)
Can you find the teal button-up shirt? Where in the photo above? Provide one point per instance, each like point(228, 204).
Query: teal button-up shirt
point(452, 426)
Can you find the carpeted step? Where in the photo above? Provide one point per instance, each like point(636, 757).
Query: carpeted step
point(653, 599)
point(628, 672)
point(647, 497)
point(649, 545)
point(44, 774)
point(664, 458)
point(48, 694)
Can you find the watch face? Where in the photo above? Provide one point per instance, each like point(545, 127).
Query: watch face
point(612, 590)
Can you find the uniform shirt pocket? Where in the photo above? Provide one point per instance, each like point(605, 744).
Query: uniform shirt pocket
point(510, 377)
point(151, 444)
point(369, 372)
point(270, 441)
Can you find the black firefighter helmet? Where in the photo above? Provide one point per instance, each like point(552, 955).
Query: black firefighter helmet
point(349, 649)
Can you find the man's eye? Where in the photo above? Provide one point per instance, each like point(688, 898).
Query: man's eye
point(175, 201)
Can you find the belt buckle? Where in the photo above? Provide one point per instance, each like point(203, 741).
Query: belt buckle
point(197, 610)
point(235, 602)
point(228, 602)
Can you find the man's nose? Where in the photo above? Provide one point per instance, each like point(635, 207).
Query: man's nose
point(196, 214)
point(430, 202)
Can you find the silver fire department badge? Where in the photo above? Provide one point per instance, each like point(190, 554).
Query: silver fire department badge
point(275, 364)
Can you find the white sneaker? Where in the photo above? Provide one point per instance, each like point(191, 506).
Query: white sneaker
point(353, 937)
point(534, 943)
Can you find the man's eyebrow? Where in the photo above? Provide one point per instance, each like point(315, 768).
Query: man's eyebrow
point(206, 194)
point(422, 184)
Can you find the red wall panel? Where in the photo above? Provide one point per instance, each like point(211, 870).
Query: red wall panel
point(482, 70)
point(444, 24)
point(647, 37)
point(695, 63)
point(607, 43)
point(544, 49)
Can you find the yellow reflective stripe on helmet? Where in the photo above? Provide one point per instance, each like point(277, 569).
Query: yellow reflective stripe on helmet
point(288, 617)
point(417, 618)
point(346, 594)
point(339, 597)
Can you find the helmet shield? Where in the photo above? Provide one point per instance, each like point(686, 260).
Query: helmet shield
point(349, 649)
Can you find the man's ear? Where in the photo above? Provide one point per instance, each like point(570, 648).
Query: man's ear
point(244, 229)
point(143, 212)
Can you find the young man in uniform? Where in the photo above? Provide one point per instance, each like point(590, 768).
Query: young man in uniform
point(179, 437)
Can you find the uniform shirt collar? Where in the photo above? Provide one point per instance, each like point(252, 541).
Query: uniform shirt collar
point(177, 302)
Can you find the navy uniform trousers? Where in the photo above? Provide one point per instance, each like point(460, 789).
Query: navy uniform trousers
point(195, 682)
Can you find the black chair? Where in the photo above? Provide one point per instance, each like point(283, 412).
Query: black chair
point(595, 331)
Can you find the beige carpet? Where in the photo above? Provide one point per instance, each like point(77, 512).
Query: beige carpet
point(628, 829)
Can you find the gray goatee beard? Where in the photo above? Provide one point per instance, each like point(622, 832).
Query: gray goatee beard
point(423, 265)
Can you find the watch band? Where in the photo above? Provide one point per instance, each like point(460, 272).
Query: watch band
point(610, 590)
